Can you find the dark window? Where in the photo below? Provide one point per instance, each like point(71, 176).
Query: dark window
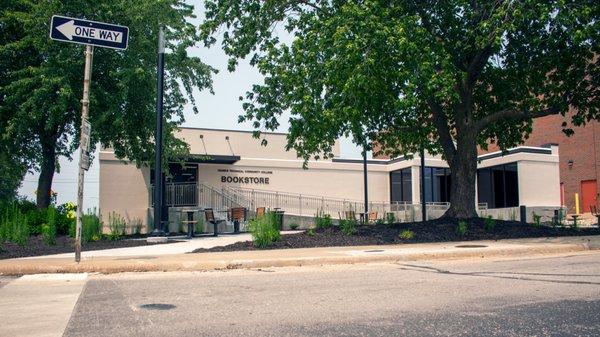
point(401, 185)
point(437, 184)
point(179, 173)
point(498, 186)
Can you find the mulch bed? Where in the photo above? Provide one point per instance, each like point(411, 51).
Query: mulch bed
point(439, 230)
point(64, 244)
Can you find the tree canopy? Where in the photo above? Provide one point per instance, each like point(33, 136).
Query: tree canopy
point(41, 80)
point(444, 75)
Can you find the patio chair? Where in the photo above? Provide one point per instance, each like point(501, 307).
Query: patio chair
point(209, 216)
point(350, 215)
point(260, 211)
point(237, 215)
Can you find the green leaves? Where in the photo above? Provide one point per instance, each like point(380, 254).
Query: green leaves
point(41, 80)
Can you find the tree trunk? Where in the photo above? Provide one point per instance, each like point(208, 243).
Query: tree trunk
point(463, 175)
point(48, 166)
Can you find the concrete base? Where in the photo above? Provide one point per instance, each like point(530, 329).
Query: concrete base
point(157, 239)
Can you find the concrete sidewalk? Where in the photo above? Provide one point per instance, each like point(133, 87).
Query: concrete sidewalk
point(300, 257)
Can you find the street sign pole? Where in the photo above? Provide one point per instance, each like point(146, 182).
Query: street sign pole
point(89, 33)
point(83, 143)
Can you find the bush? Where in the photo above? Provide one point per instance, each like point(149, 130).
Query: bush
point(91, 226)
point(348, 226)
point(406, 234)
point(116, 225)
point(294, 226)
point(461, 228)
point(49, 228)
point(264, 230)
point(390, 218)
point(310, 232)
point(323, 220)
point(537, 220)
point(65, 218)
point(136, 226)
point(379, 222)
point(14, 225)
point(489, 224)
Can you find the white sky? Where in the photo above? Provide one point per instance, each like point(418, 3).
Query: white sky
point(220, 111)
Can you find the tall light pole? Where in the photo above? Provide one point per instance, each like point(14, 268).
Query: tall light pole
point(366, 218)
point(158, 137)
point(423, 205)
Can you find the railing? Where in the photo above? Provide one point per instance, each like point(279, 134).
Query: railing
point(178, 194)
point(203, 195)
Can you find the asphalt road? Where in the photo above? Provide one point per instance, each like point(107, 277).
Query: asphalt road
point(550, 296)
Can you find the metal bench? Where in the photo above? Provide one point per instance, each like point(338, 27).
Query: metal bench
point(209, 216)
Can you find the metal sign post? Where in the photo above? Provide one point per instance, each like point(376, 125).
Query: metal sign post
point(83, 146)
point(89, 33)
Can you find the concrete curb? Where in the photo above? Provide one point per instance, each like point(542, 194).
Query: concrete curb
point(199, 262)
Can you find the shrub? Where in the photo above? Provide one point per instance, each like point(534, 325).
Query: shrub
point(348, 226)
point(264, 230)
point(136, 226)
point(65, 218)
point(49, 228)
point(537, 220)
point(116, 225)
point(489, 224)
point(461, 228)
point(406, 234)
point(310, 232)
point(379, 222)
point(91, 226)
point(323, 220)
point(14, 225)
point(294, 226)
point(390, 218)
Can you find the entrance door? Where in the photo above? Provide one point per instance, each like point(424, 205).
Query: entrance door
point(589, 195)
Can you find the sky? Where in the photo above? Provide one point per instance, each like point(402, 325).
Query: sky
point(219, 111)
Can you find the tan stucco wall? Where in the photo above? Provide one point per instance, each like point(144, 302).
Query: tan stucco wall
point(241, 143)
point(539, 183)
point(335, 181)
point(124, 190)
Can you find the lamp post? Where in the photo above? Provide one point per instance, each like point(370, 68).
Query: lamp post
point(366, 217)
point(423, 206)
point(158, 137)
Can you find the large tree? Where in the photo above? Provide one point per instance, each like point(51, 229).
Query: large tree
point(41, 86)
point(444, 75)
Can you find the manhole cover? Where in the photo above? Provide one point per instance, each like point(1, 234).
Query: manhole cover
point(470, 246)
point(157, 306)
point(374, 251)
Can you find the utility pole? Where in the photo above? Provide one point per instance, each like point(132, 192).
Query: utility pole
point(158, 137)
point(84, 140)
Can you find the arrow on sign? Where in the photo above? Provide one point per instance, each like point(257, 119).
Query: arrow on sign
point(69, 29)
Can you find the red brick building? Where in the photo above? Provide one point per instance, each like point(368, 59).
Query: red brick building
point(579, 159)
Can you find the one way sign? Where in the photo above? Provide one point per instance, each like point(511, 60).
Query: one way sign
point(89, 32)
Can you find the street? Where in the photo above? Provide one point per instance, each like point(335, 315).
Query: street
point(542, 296)
point(555, 295)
